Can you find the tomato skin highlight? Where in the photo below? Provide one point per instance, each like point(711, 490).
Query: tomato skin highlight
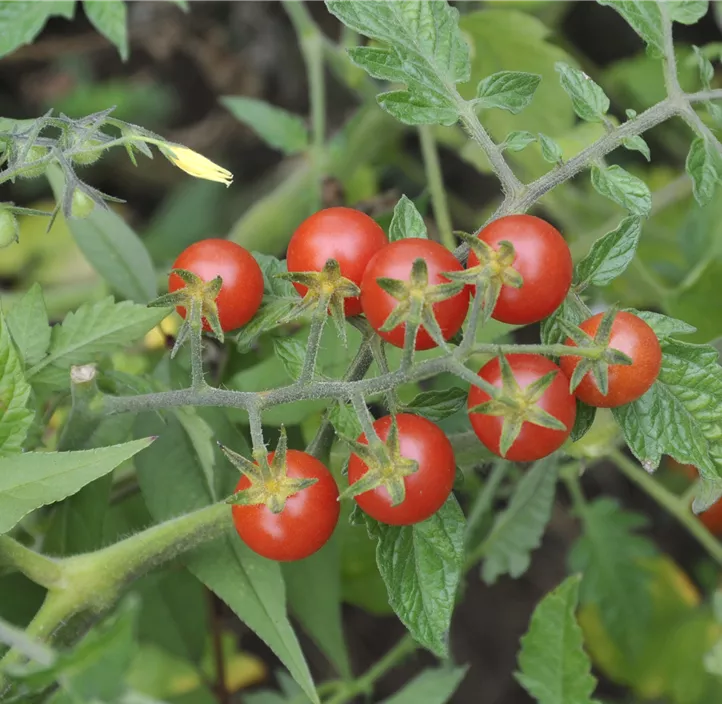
point(344, 234)
point(242, 291)
point(395, 261)
point(543, 259)
point(426, 489)
point(632, 336)
point(534, 441)
point(307, 521)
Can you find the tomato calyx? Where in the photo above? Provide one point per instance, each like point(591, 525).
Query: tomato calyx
point(494, 270)
point(416, 299)
point(270, 483)
point(387, 467)
point(598, 362)
point(518, 406)
point(327, 290)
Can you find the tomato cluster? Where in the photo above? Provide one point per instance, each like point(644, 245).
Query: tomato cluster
point(523, 407)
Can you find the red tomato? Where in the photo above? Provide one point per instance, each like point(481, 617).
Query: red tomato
point(632, 336)
point(306, 522)
point(242, 290)
point(426, 489)
point(394, 262)
point(346, 235)
point(534, 441)
point(544, 261)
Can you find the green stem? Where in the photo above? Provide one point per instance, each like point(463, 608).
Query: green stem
point(436, 186)
point(40, 569)
point(198, 381)
point(669, 502)
point(318, 321)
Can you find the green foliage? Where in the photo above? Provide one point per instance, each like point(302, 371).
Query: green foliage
point(508, 90)
point(15, 417)
point(437, 405)
point(623, 188)
point(109, 17)
point(406, 221)
point(433, 686)
point(704, 166)
point(589, 101)
point(23, 20)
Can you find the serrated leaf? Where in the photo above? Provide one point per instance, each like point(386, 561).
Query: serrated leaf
point(291, 353)
point(110, 18)
point(572, 310)
point(687, 11)
point(704, 166)
point(589, 101)
point(268, 317)
point(383, 64)
point(278, 128)
point(29, 326)
point(344, 420)
point(637, 144)
point(508, 90)
point(519, 529)
point(663, 325)
point(421, 566)
point(437, 405)
point(406, 221)
point(679, 415)
point(273, 285)
point(583, 421)
point(623, 188)
point(427, 53)
point(645, 19)
point(15, 417)
point(610, 255)
point(706, 70)
point(608, 554)
point(432, 686)
point(94, 329)
point(36, 479)
point(22, 21)
point(551, 151)
point(516, 141)
point(555, 669)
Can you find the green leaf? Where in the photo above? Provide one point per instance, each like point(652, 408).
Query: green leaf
point(619, 185)
point(554, 667)
point(93, 330)
point(609, 554)
point(291, 353)
point(583, 422)
point(687, 11)
point(437, 405)
point(517, 141)
point(610, 255)
point(344, 420)
point(679, 415)
point(551, 151)
point(508, 90)
point(663, 325)
point(36, 479)
point(428, 54)
point(313, 587)
point(268, 317)
point(589, 101)
point(273, 286)
point(704, 166)
point(645, 19)
point(432, 686)
point(29, 326)
point(637, 144)
point(407, 221)
point(109, 17)
point(572, 310)
point(15, 417)
point(108, 243)
point(704, 65)
point(421, 566)
point(251, 585)
point(278, 128)
point(520, 528)
point(22, 21)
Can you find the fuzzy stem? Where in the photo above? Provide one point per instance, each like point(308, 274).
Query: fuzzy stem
point(40, 569)
point(318, 321)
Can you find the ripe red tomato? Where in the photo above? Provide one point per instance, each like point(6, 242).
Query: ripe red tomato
point(632, 336)
point(426, 489)
point(544, 261)
point(307, 521)
point(394, 262)
point(242, 290)
point(534, 441)
point(344, 234)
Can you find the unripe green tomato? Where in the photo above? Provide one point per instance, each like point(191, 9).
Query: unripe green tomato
point(34, 153)
point(87, 158)
point(8, 229)
point(82, 205)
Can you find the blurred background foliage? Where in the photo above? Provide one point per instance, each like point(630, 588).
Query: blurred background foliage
point(184, 71)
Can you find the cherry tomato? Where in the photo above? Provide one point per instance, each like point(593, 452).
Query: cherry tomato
point(395, 261)
point(426, 489)
point(307, 521)
point(242, 290)
point(632, 336)
point(534, 441)
point(344, 234)
point(544, 261)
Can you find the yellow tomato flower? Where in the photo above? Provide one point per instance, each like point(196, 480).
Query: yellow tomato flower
point(196, 164)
